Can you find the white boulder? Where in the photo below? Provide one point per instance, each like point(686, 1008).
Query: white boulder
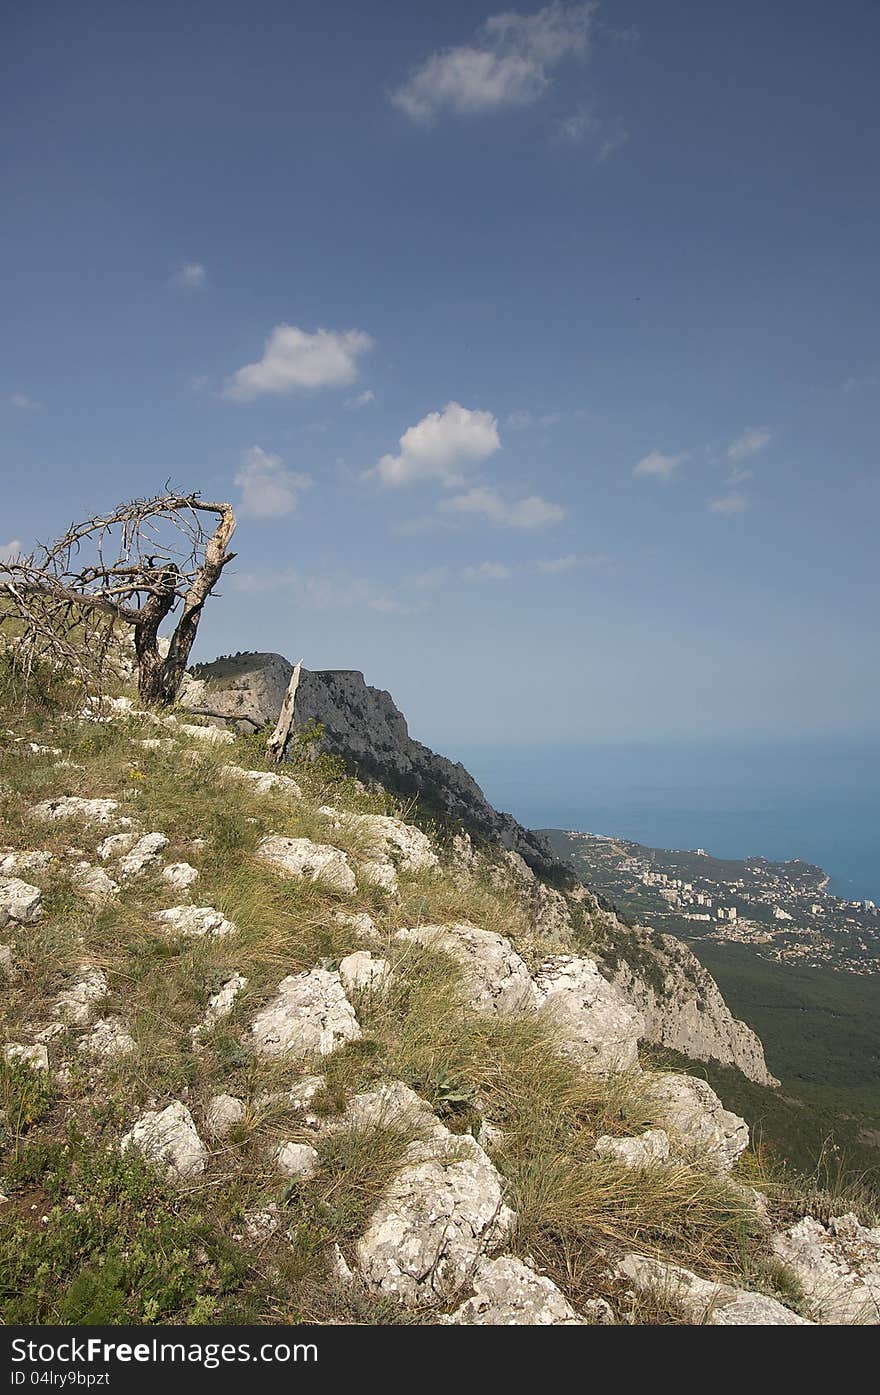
point(221, 1003)
point(12, 864)
point(144, 855)
point(300, 857)
point(296, 1160)
point(837, 1265)
point(169, 1138)
point(600, 1029)
point(37, 1057)
point(180, 875)
point(75, 1004)
point(19, 901)
point(361, 973)
point(702, 1301)
point(222, 1114)
point(697, 1121)
point(496, 978)
point(70, 807)
point(649, 1149)
point(194, 921)
point(508, 1293)
point(93, 884)
point(108, 1039)
point(264, 781)
point(211, 736)
point(309, 1013)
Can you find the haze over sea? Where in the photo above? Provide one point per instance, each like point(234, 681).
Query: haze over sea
point(819, 801)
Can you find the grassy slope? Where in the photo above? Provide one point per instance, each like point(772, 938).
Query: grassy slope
point(118, 1243)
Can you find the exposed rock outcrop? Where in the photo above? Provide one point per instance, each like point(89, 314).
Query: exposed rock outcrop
point(309, 1013)
point(697, 1120)
point(837, 1266)
point(363, 725)
point(169, 1138)
point(714, 1304)
point(679, 1000)
point(496, 979)
point(598, 1026)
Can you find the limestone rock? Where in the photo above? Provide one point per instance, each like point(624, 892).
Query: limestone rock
point(600, 1028)
point(13, 864)
point(309, 1013)
point(508, 1293)
point(93, 883)
point(6, 959)
point(108, 1039)
point(364, 924)
point(19, 901)
point(496, 978)
point(363, 726)
point(296, 1160)
point(222, 1114)
point(75, 1004)
point(211, 736)
point(37, 1057)
point(169, 1137)
point(439, 1216)
point(70, 807)
point(696, 1119)
point(195, 921)
point(382, 873)
point(681, 1002)
point(717, 1305)
point(115, 845)
point(221, 1003)
point(649, 1149)
point(300, 857)
point(180, 875)
point(143, 856)
point(264, 781)
point(360, 972)
point(837, 1265)
point(298, 1098)
point(405, 844)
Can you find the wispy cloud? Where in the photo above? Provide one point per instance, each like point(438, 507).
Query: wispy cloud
point(268, 490)
point(749, 443)
point(322, 593)
point(23, 403)
point(555, 566)
point(533, 512)
point(659, 466)
point(431, 579)
point(363, 399)
point(192, 276)
point(731, 503)
point(294, 358)
point(600, 135)
point(525, 420)
point(508, 63)
point(440, 446)
point(10, 550)
point(869, 379)
point(487, 571)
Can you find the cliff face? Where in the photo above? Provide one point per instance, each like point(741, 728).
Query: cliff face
point(679, 999)
point(363, 725)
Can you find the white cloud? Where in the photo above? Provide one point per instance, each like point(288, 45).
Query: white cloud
point(23, 403)
point(739, 476)
point(554, 566)
point(602, 136)
point(533, 512)
point(658, 465)
point(487, 571)
point(507, 64)
point(294, 358)
point(731, 503)
point(321, 593)
point(527, 421)
point(749, 443)
point(268, 490)
point(439, 445)
point(192, 276)
point(363, 399)
point(432, 578)
point(10, 550)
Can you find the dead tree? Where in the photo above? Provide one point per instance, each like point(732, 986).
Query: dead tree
point(70, 602)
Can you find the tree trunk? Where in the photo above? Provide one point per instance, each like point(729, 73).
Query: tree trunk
point(277, 743)
point(160, 680)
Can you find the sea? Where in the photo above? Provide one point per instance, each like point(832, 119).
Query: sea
point(818, 801)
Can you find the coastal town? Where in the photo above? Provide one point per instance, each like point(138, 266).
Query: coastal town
point(783, 910)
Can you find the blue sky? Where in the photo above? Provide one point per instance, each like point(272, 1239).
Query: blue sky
point(538, 348)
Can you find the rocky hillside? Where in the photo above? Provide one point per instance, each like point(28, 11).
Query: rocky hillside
point(363, 726)
point(273, 1052)
point(679, 1000)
